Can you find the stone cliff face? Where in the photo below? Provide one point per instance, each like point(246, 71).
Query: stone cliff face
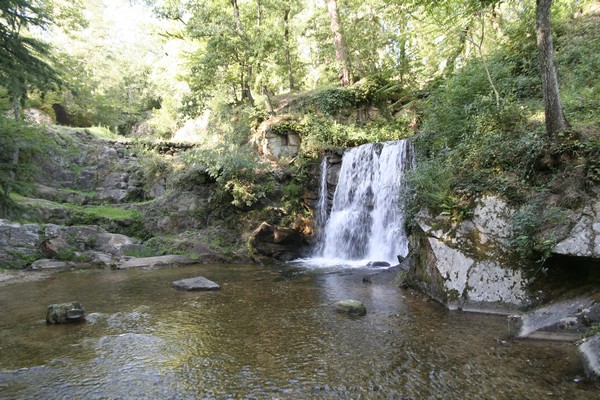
point(80, 168)
point(468, 265)
point(472, 265)
point(584, 239)
point(79, 172)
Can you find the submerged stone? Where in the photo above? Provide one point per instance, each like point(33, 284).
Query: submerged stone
point(351, 307)
point(65, 312)
point(198, 283)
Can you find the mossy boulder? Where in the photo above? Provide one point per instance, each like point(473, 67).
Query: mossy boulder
point(63, 313)
point(350, 307)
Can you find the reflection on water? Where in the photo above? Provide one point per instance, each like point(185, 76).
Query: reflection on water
point(266, 334)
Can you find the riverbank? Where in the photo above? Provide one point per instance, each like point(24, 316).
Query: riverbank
point(10, 276)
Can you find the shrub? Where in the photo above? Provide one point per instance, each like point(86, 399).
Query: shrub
point(19, 142)
point(428, 186)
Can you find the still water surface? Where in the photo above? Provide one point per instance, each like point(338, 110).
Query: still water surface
point(267, 334)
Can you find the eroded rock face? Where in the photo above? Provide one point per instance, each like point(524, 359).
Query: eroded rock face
point(37, 116)
point(564, 319)
point(466, 266)
point(180, 211)
point(584, 239)
point(282, 244)
point(18, 242)
point(107, 171)
point(275, 141)
point(26, 243)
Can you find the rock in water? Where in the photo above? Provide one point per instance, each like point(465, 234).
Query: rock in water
point(196, 284)
point(352, 307)
point(65, 312)
point(378, 264)
point(590, 350)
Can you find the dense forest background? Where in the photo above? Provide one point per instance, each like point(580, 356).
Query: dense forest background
point(467, 79)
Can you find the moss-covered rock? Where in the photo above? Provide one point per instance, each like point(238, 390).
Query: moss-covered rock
point(351, 307)
point(64, 313)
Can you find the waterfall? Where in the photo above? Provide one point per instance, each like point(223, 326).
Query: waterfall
point(366, 221)
point(322, 205)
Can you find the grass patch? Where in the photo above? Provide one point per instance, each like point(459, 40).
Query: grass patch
point(143, 252)
point(102, 132)
point(109, 212)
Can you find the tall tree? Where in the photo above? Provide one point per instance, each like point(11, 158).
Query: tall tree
point(21, 65)
point(23, 61)
point(341, 54)
point(555, 117)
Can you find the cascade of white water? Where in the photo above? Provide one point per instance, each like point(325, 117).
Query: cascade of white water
point(366, 220)
point(322, 206)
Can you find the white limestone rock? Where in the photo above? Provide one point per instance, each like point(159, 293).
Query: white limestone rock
point(452, 265)
point(584, 239)
point(467, 256)
point(491, 218)
point(490, 282)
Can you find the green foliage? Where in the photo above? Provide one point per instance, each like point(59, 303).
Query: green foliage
point(114, 213)
point(578, 62)
point(20, 143)
point(71, 255)
point(499, 149)
point(155, 168)
point(320, 133)
point(332, 101)
point(23, 61)
point(224, 154)
point(428, 186)
point(21, 260)
point(142, 252)
point(114, 219)
point(534, 228)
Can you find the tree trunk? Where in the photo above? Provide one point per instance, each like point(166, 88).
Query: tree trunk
point(288, 56)
point(246, 70)
point(247, 93)
point(258, 14)
point(341, 54)
point(462, 41)
point(236, 15)
point(555, 117)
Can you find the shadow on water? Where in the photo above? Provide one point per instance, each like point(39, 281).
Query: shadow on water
point(267, 334)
